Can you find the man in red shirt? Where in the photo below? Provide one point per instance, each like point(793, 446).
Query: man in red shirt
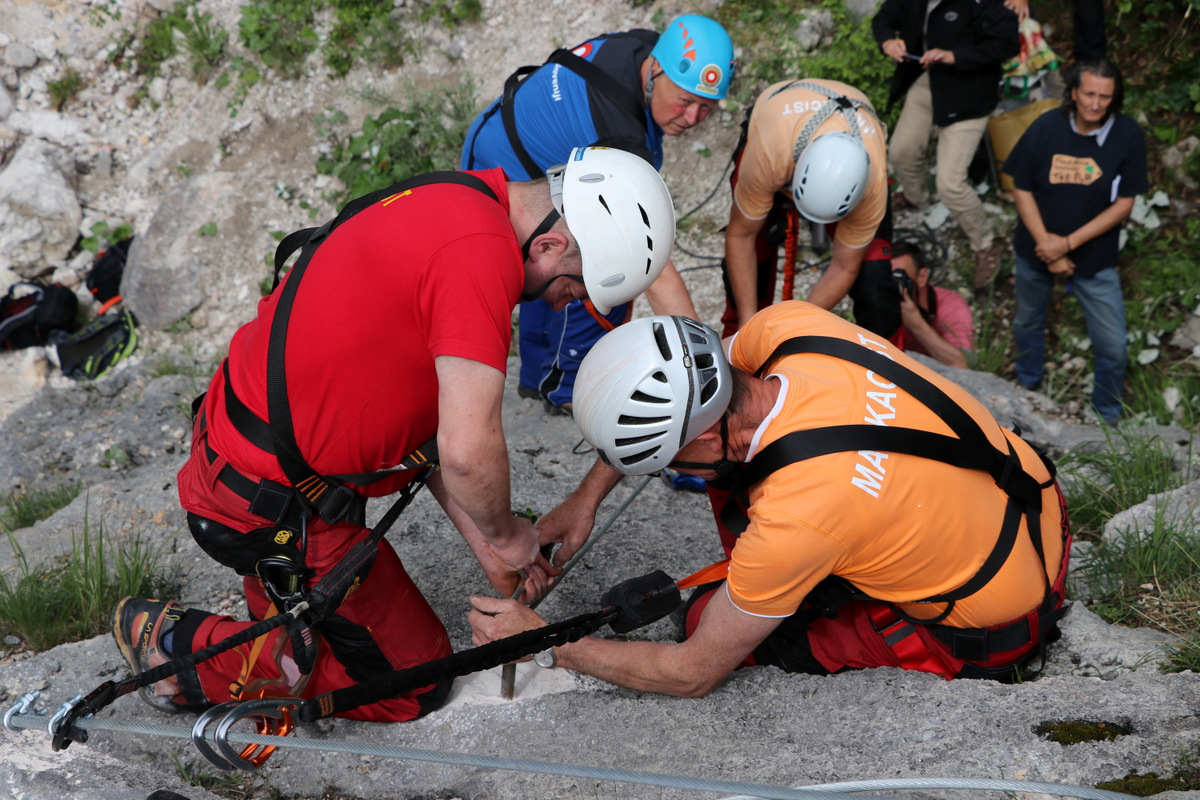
point(397, 337)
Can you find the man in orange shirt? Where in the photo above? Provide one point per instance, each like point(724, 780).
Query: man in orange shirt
point(876, 551)
point(815, 145)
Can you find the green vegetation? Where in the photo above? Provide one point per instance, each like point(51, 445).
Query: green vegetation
point(63, 90)
point(48, 606)
point(452, 12)
point(1107, 478)
point(1075, 731)
point(234, 786)
point(104, 235)
point(1150, 784)
point(280, 33)
point(850, 54)
point(204, 42)
point(426, 135)
point(1149, 576)
point(22, 509)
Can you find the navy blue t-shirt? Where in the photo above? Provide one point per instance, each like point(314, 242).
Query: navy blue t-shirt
point(556, 110)
point(1073, 179)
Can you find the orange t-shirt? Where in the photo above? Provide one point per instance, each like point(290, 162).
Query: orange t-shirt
point(767, 166)
point(899, 527)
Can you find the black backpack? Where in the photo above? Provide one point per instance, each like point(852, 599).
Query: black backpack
point(96, 347)
point(104, 278)
point(31, 311)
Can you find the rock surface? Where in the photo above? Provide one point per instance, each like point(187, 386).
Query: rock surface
point(177, 162)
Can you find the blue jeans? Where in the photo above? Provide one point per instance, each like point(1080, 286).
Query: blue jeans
point(1104, 311)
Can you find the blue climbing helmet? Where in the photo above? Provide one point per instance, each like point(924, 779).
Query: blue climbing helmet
point(696, 53)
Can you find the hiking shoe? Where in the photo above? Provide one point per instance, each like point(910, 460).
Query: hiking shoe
point(527, 393)
point(139, 627)
point(564, 410)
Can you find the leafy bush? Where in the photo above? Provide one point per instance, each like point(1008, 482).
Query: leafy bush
point(280, 32)
point(399, 143)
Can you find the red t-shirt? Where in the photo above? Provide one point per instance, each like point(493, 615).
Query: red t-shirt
point(433, 271)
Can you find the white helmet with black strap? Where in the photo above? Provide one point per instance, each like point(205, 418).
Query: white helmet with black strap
point(649, 388)
point(619, 210)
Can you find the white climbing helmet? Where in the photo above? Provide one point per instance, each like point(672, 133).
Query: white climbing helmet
point(619, 211)
point(831, 176)
point(648, 388)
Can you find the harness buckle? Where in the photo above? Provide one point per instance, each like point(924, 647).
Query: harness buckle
point(337, 504)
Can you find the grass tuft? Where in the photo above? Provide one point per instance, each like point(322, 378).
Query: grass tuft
point(48, 606)
point(22, 509)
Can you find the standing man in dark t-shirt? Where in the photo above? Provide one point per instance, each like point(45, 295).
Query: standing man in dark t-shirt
point(1076, 174)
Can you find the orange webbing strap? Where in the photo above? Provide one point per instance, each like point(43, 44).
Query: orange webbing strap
point(713, 572)
point(603, 320)
point(112, 301)
point(901, 636)
point(235, 689)
point(789, 253)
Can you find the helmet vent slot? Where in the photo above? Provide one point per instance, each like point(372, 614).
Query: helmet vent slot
point(645, 216)
point(629, 461)
point(664, 348)
point(604, 203)
point(642, 397)
point(632, 440)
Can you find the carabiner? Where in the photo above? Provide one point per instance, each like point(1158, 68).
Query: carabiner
point(198, 730)
point(275, 719)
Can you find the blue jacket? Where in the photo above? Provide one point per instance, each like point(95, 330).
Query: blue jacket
point(557, 110)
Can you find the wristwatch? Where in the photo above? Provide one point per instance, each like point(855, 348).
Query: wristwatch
point(546, 658)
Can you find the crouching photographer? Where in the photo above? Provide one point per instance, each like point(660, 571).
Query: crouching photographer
point(936, 322)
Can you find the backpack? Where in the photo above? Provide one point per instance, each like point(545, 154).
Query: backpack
point(97, 347)
point(104, 277)
point(31, 311)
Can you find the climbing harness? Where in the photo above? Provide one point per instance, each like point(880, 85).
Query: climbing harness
point(970, 450)
point(848, 107)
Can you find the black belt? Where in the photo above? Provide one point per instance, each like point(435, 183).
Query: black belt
point(277, 501)
point(978, 644)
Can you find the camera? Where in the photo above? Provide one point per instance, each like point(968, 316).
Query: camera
point(905, 283)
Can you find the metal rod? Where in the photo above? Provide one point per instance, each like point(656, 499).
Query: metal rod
point(508, 673)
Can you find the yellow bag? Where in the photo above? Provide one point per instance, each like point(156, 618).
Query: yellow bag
point(1004, 131)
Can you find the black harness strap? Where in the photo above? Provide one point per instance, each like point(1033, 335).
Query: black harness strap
point(627, 100)
point(970, 450)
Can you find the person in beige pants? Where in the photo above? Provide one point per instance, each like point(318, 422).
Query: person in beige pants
point(948, 56)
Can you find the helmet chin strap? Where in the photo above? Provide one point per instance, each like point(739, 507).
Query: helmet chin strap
point(722, 466)
point(543, 227)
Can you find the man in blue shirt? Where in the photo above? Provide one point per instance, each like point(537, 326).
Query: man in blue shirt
point(1076, 174)
point(624, 90)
